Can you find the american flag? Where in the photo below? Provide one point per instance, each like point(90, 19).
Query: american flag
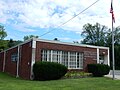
point(111, 11)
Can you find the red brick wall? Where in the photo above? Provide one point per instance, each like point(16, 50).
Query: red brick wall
point(25, 60)
point(10, 66)
point(90, 54)
point(1, 60)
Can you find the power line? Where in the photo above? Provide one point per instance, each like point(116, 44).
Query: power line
point(70, 18)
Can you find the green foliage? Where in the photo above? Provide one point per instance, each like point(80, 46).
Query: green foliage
point(48, 70)
point(30, 36)
point(98, 70)
point(3, 34)
point(3, 44)
point(94, 34)
point(117, 57)
point(12, 43)
point(77, 74)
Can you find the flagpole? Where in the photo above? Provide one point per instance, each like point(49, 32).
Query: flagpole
point(113, 58)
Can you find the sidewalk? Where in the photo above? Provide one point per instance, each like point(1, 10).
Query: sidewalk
point(117, 77)
point(117, 74)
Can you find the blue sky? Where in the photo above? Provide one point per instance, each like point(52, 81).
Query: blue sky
point(36, 17)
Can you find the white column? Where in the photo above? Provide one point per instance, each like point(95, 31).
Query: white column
point(4, 61)
point(98, 55)
point(47, 55)
point(33, 57)
point(68, 60)
point(76, 59)
point(51, 54)
point(17, 72)
point(60, 57)
point(108, 57)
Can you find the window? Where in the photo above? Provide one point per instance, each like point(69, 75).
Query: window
point(64, 58)
point(72, 60)
point(14, 57)
point(46, 55)
point(79, 60)
point(56, 56)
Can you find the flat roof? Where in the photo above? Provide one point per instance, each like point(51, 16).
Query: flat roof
point(57, 42)
point(68, 43)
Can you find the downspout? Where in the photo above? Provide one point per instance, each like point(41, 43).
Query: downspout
point(98, 55)
point(4, 61)
point(33, 58)
point(17, 72)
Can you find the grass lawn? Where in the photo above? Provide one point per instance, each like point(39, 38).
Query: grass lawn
point(10, 83)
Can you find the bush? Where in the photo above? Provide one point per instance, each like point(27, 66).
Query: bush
point(98, 70)
point(48, 70)
point(77, 74)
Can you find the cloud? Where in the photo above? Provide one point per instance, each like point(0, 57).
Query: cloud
point(23, 28)
point(23, 14)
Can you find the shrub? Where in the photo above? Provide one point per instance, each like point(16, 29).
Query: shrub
point(48, 70)
point(98, 70)
point(77, 74)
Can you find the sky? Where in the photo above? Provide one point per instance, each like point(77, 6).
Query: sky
point(36, 17)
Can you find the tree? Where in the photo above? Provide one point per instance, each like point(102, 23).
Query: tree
point(12, 43)
point(30, 36)
point(3, 45)
point(116, 32)
point(102, 36)
point(3, 34)
point(117, 35)
point(94, 34)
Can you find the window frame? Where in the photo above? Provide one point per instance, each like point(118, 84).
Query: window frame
point(14, 57)
point(68, 58)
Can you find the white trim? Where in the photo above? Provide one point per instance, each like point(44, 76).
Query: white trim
point(68, 60)
point(60, 57)
point(76, 60)
point(17, 72)
point(98, 55)
point(4, 61)
point(51, 54)
point(47, 56)
point(33, 58)
point(33, 44)
point(73, 44)
point(108, 57)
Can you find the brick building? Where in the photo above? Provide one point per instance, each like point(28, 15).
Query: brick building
point(19, 60)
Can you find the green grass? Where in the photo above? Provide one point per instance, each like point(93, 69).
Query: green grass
point(10, 83)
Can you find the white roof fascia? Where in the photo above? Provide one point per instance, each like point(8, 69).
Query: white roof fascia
point(73, 44)
point(56, 42)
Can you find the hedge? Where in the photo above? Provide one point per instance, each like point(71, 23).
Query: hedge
point(98, 70)
point(48, 70)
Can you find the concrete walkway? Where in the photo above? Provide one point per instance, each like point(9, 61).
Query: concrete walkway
point(117, 77)
point(117, 74)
